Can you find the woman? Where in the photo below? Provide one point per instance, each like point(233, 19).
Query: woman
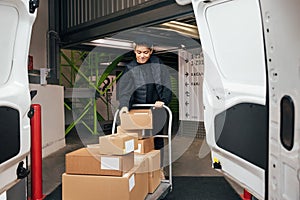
point(146, 80)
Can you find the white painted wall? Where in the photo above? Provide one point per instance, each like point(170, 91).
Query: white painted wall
point(51, 99)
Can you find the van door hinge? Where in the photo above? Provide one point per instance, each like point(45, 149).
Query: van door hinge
point(22, 172)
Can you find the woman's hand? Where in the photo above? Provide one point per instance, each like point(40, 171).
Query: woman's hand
point(123, 110)
point(159, 104)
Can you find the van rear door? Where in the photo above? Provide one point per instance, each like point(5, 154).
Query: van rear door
point(16, 24)
point(235, 100)
point(282, 33)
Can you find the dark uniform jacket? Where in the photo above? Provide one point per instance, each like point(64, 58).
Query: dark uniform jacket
point(145, 83)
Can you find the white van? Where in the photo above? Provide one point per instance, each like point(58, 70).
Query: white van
point(16, 19)
point(252, 92)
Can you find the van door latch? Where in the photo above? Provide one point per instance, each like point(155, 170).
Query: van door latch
point(33, 4)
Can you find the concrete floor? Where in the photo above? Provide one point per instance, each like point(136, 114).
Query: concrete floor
point(189, 159)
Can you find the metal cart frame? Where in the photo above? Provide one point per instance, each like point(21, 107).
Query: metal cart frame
point(166, 185)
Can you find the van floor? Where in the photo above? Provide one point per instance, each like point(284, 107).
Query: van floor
point(192, 160)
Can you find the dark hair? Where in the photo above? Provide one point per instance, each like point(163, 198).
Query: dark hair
point(143, 41)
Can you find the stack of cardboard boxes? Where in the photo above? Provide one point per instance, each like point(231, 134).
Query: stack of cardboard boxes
point(146, 152)
point(136, 121)
point(122, 166)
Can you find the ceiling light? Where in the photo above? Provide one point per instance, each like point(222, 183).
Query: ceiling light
point(112, 43)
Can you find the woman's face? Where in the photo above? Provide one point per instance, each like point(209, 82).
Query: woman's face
point(142, 54)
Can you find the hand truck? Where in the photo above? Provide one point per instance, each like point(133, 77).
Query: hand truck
point(166, 185)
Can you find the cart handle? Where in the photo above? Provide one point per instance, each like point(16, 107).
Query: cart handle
point(114, 122)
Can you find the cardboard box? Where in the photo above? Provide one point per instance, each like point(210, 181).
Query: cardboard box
point(153, 158)
point(84, 161)
point(118, 144)
point(130, 186)
point(121, 130)
point(142, 133)
point(153, 180)
point(153, 170)
point(145, 145)
point(136, 119)
point(141, 181)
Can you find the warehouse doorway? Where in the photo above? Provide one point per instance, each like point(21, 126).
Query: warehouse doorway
point(83, 28)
